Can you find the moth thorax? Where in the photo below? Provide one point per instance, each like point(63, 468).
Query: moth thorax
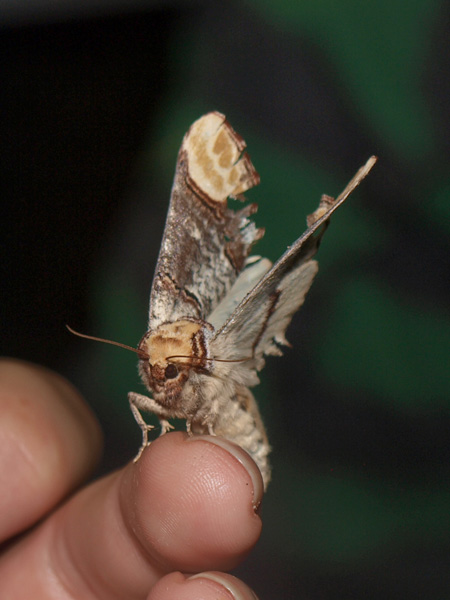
point(173, 349)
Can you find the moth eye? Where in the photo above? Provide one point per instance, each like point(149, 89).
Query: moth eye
point(171, 371)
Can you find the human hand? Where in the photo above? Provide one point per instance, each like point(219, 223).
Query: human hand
point(187, 506)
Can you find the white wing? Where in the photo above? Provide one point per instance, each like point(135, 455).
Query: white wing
point(246, 281)
point(259, 322)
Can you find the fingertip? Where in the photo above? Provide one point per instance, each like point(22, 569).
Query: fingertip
point(208, 586)
point(242, 457)
point(202, 504)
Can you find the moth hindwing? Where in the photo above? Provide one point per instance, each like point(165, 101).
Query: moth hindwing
point(215, 311)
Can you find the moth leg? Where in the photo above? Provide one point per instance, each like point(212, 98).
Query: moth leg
point(193, 427)
point(139, 402)
point(165, 426)
point(200, 423)
point(209, 418)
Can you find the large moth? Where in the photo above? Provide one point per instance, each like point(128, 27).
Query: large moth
point(215, 311)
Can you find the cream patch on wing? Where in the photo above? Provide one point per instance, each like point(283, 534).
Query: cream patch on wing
point(215, 161)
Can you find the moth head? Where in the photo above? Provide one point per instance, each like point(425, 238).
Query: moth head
point(169, 355)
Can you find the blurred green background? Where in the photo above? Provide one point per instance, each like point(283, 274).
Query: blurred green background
point(95, 107)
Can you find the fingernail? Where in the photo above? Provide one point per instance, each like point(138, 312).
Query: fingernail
point(237, 588)
point(242, 457)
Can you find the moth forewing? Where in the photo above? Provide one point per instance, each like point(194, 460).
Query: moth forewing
point(205, 244)
point(214, 311)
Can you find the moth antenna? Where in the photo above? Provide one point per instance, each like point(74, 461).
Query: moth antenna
point(230, 360)
point(98, 339)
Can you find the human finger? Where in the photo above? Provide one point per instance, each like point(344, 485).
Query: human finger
point(49, 442)
point(208, 586)
point(187, 505)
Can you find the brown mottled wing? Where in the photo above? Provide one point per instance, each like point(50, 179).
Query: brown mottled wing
point(259, 323)
point(205, 244)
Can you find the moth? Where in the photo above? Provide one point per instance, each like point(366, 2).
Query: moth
point(215, 311)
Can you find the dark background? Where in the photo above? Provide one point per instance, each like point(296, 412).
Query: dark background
point(93, 109)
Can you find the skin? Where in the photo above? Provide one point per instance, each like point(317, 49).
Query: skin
point(164, 528)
